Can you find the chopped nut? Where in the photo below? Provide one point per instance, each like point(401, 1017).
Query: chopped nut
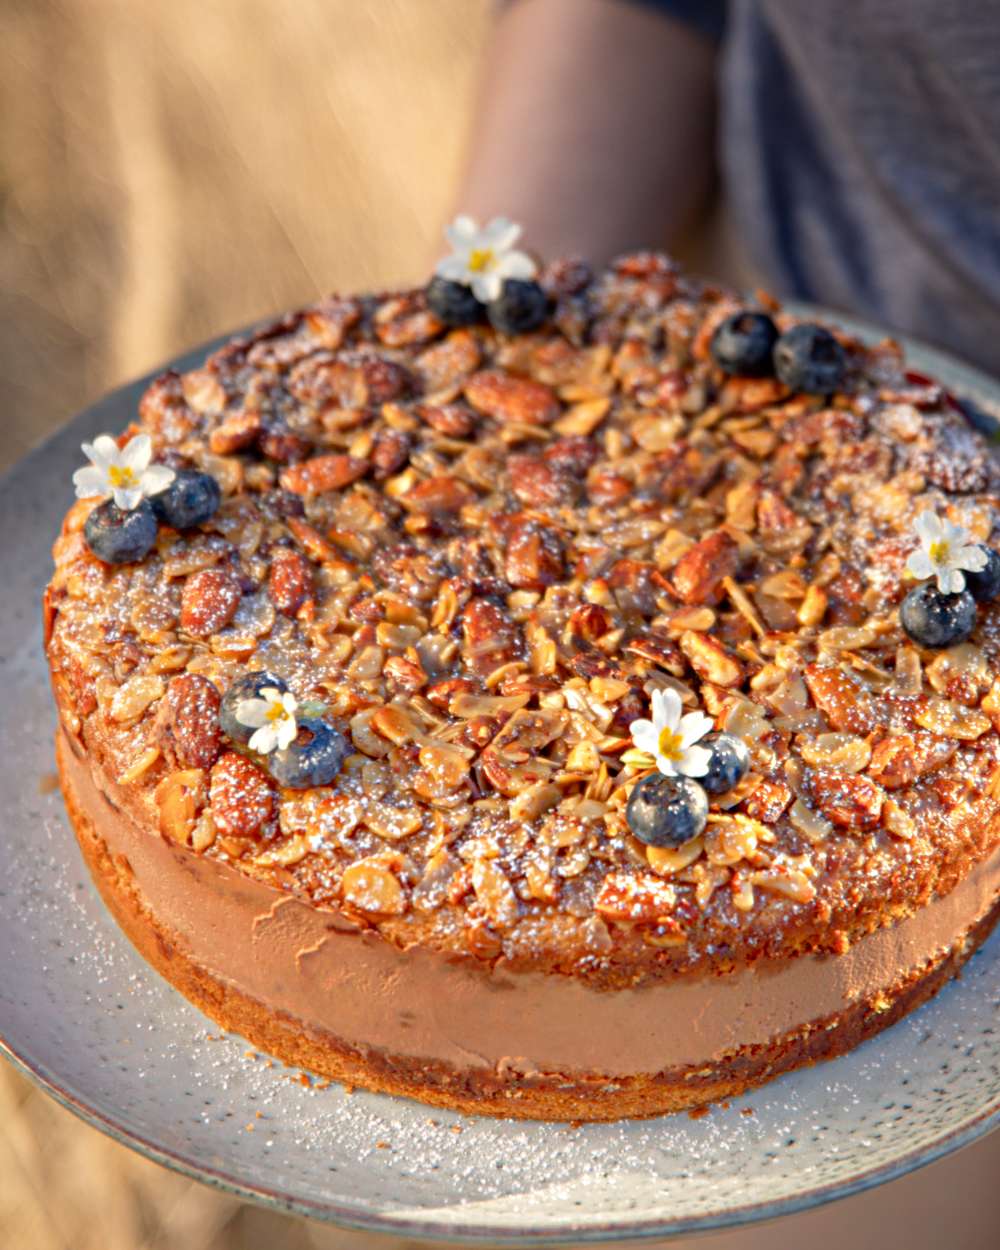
point(639, 900)
point(952, 720)
point(494, 892)
point(135, 696)
point(711, 661)
point(371, 887)
point(179, 798)
point(850, 801)
point(699, 574)
point(845, 703)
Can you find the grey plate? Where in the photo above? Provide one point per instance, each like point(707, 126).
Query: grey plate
point(85, 1017)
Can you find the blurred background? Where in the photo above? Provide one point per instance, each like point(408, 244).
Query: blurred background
point(173, 169)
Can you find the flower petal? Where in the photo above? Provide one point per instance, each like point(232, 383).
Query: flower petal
point(695, 762)
point(103, 451)
point(517, 265)
point(486, 285)
point(252, 712)
point(927, 527)
point(90, 481)
point(919, 564)
point(156, 478)
point(500, 234)
point(645, 736)
point(287, 731)
point(264, 740)
point(454, 268)
point(137, 453)
point(954, 535)
point(972, 558)
point(667, 708)
point(693, 727)
point(463, 232)
point(127, 497)
point(950, 581)
point(667, 767)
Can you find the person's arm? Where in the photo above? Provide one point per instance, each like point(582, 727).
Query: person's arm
point(595, 126)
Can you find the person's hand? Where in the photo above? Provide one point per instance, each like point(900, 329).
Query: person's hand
point(595, 127)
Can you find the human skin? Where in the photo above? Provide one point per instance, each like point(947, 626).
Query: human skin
point(594, 127)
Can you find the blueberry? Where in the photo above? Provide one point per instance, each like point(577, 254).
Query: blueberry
point(247, 687)
point(191, 498)
point(519, 308)
point(985, 585)
point(119, 537)
point(729, 763)
point(666, 811)
point(453, 302)
point(315, 762)
point(808, 358)
point(933, 619)
point(743, 344)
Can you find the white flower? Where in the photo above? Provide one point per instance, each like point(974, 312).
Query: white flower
point(945, 550)
point(126, 474)
point(272, 715)
point(670, 737)
point(483, 258)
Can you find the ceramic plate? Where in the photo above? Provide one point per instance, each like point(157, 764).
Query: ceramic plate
point(84, 1017)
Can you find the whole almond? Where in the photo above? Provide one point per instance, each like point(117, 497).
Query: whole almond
point(438, 496)
point(511, 399)
point(188, 722)
point(290, 582)
point(209, 601)
point(323, 473)
point(242, 797)
point(698, 574)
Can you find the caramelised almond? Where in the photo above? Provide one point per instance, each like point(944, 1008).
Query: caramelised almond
point(179, 798)
point(636, 900)
point(371, 887)
point(841, 698)
point(698, 575)
point(187, 723)
point(710, 660)
point(323, 473)
point(290, 581)
point(209, 601)
point(506, 398)
point(849, 800)
point(242, 797)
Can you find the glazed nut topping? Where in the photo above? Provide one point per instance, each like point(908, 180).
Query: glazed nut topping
point(477, 556)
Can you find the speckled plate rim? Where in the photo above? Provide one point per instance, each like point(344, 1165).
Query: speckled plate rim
point(962, 380)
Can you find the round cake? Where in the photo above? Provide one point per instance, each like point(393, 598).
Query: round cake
point(538, 693)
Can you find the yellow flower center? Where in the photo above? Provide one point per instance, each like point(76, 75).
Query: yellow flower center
point(939, 552)
point(480, 258)
point(669, 744)
point(276, 712)
point(121, 477)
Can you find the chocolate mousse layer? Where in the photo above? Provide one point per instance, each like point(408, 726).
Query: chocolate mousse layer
point(347, 992)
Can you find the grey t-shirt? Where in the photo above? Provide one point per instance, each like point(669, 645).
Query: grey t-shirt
point(860, 150)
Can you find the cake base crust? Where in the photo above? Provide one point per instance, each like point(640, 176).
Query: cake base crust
point(564, 1096)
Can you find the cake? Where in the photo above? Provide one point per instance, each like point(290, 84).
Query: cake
point(537, 693)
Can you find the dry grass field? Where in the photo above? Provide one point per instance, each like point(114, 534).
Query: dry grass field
point(170, 169)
